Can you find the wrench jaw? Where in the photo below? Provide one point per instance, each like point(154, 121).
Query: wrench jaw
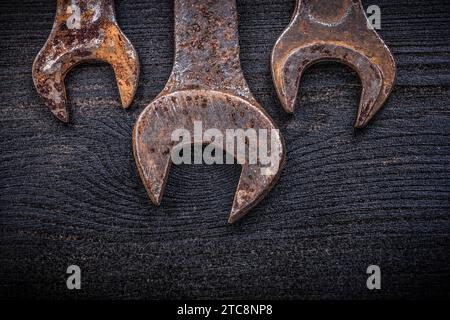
point(153, 144)
point(152, 151)
point(49, 83)
point(382, 69)
point(98, 39)
point(320, 32)
point(117, 51)
point(248, 193)
point(288, 79)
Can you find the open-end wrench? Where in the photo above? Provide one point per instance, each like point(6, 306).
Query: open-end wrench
point(84, 30)
point(335, 30)
point(207, 85)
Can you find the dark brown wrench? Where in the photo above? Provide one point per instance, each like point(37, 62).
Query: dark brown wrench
point(333, 30)
point(206, 85)
point(84, 30)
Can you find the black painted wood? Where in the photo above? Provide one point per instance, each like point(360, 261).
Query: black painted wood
point(70, 194)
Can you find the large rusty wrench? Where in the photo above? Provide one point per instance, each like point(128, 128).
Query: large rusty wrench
point(84, 30)
point(206, 85)
point(333, 30)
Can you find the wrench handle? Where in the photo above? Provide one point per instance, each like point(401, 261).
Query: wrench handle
point(207, 48)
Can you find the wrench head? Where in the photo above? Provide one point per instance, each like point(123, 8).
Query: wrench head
point(98, 39)
point(341, 35)
point(153, 143)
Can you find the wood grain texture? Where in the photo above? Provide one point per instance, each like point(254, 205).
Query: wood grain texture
point(70, 194)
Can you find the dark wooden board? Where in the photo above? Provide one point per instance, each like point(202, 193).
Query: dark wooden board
point(70, 194)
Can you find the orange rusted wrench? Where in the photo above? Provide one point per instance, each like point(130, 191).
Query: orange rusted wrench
point(333, 30)
point(84, 30)
point(207, 86)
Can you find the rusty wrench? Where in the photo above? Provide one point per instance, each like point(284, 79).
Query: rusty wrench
point(207, 85)
point(84, 30)
point(333, 30)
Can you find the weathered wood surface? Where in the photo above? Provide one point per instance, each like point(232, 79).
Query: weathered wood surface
point(70, 194)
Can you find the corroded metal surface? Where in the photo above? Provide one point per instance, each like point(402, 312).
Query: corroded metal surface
point(333, 30)
point(84, 30)
point(206, 85)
